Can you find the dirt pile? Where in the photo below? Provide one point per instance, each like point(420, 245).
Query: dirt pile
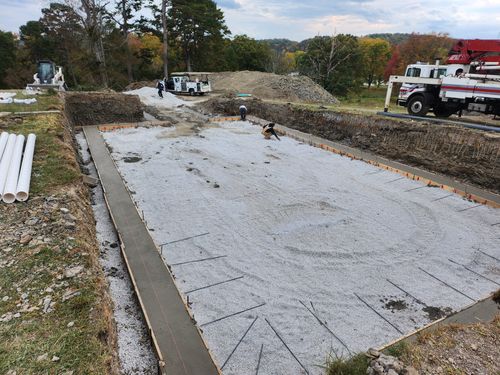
point(271, 86)
point(468, 155)
point(92, 108)
point(140, 84)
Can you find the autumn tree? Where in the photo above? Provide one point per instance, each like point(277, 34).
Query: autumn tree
point(375, 54)
point(425, 48)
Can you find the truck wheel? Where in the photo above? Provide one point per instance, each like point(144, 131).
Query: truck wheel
point(191, 92)
point(442, 111)
point(418, 106)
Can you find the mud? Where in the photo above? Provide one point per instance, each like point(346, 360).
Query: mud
point(132, 159)
point(435, 313)
point(395, 305)
point(468, 155)
point(93, 108)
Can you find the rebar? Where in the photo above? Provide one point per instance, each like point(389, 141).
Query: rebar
point(231, 315)
point(214, 284)
point(239, 342)
point(380, 315)
point(448, 285)
point(198, 260)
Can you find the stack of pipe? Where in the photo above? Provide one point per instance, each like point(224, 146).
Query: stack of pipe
point(15, 169)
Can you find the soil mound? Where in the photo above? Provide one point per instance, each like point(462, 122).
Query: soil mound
point(271, 86)
point(92, 108)
point(140, 84)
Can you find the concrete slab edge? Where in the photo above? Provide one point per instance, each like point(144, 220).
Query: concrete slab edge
point(467, 191)
point(161, 361)
point(483, 310)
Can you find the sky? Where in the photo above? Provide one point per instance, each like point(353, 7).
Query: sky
point(301, 19)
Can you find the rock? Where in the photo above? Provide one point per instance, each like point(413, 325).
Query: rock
point(90, 181)
point(373, 353)
point(67, 373)
point(42, 357)
point(64, 210)
point(70, 217)
point(392, 372)
point(25, 239)
point(5, 298)
point(409, 371)
point(70, 324)
point(11, 372)
point(46, 304)
point(473, 347)
point(216, 186)
point(113, 245)
point(55, 359)
point(17, 315)
point(378, 368)
point(70, 294)
point(73, 271)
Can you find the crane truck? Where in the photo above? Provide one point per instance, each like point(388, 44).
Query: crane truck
point(470, 80)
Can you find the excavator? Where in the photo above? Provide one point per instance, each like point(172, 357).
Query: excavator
point(469, 81)
point(48, 76)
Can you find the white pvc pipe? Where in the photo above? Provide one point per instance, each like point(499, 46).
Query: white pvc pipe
point(23, 185)
point(3, 142)
point(5, 163)
point(9, 191)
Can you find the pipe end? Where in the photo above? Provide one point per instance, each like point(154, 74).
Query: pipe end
point(9, 198)
point(22, 196)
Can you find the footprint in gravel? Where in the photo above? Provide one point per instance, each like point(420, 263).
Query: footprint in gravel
point(131, 159)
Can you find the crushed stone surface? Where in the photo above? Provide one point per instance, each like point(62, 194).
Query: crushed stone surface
point(149, 96)
point(305, 231)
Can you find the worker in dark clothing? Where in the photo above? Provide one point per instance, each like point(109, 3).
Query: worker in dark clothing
point(268, 131)
point(243, 112)
point(160, 87)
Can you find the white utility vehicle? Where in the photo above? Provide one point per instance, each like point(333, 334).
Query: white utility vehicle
point(192, 83)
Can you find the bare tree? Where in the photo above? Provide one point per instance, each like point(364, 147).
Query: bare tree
point(91, 14)
point(164, 4)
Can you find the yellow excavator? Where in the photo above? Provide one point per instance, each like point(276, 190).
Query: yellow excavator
point(48, 76)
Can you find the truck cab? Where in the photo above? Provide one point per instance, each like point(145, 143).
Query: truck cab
point(425, 70)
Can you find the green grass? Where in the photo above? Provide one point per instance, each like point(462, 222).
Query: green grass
point(368, 100)
point(35, 267)
point(397, 350)
point(356, 365)
point(44, 102)
point(53, 163)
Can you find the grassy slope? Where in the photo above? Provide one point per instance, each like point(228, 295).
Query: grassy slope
point(44, 102)
point(34, 267)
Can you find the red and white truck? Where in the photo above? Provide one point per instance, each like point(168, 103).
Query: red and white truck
point(469, 81)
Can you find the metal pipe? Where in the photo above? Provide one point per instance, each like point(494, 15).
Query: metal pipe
point(9, 191)
point(3, 142)
point(23, 184)
point(5, 163)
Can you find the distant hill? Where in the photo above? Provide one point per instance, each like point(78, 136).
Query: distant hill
point(280, 45)
point(393, 38)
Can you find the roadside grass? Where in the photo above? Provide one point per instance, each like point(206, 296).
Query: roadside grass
point(369, 100)
point(355, 365)
point(34, 272)
point(44, 102)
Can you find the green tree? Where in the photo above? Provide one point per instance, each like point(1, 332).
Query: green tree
point(244, 53)
point(196, 24)
point(8, 53)
point(333, 62)
point(376, 53)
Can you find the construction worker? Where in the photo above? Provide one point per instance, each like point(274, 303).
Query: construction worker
point(160, 87)
point(268, 131)
point(243, 112)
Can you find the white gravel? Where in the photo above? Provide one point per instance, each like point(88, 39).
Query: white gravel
point(300, 224)
point(134, 348)
point(149, 96)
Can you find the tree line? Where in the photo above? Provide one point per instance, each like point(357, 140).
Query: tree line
point(101, 45)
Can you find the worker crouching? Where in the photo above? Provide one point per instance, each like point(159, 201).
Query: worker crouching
point(268, 131)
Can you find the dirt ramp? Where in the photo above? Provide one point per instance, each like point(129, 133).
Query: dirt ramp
point(92, 108)
point(469, 155)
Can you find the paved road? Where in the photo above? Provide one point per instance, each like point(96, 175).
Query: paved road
point(180, 347)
